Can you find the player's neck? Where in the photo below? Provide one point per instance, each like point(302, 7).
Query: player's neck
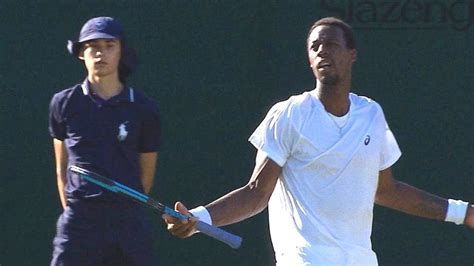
point(335, 99)
point(106, 87)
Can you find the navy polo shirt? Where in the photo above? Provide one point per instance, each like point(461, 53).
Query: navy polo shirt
point(105, 136)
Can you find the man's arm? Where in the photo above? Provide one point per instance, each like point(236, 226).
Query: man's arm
point(237, 205)
point(408, 199)
point(147, 169)
point(248, 200)
point(61, 157)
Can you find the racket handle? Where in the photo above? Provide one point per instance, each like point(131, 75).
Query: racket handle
point(232, 240)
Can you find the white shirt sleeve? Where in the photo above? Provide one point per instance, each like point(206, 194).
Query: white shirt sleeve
point(390, 152)
point(275, 135)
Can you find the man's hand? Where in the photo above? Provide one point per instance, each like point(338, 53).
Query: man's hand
point(469, 220)
point(181, 228)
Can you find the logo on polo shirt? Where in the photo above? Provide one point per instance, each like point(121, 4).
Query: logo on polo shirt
point(123, 133)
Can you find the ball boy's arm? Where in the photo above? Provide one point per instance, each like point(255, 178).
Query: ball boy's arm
point(148, 163)
point(61, 158)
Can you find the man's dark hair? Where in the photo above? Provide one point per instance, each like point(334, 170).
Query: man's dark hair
point(346, 29)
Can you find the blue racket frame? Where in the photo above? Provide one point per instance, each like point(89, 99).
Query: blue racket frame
point(232, 240)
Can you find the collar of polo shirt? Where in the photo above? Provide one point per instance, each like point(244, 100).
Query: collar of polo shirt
point(127, 94)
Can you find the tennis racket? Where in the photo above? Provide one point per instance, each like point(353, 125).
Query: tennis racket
point(232, 240)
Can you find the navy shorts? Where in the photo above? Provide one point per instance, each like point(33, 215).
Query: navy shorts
point(98, 233)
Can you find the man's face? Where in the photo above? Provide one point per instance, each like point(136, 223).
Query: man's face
point(329, 57)
point(101, 56)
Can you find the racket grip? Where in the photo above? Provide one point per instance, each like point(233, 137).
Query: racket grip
point(232, 240)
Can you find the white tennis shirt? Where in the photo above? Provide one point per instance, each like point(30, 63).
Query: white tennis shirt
point(321, 210)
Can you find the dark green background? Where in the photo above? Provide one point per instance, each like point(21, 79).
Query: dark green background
point(215, 67)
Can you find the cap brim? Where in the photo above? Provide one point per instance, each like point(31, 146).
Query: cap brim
point(73, 47)
point(97, 35)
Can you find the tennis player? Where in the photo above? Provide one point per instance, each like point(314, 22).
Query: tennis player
point(105, 126)
point(324, 158)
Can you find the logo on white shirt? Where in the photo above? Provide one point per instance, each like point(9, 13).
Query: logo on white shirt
point(367, 140)
point(123, 133)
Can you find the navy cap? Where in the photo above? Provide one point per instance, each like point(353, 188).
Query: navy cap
point(106, 28)
point(96, 28)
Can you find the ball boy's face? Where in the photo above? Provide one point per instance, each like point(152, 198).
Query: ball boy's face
point(101, 56)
